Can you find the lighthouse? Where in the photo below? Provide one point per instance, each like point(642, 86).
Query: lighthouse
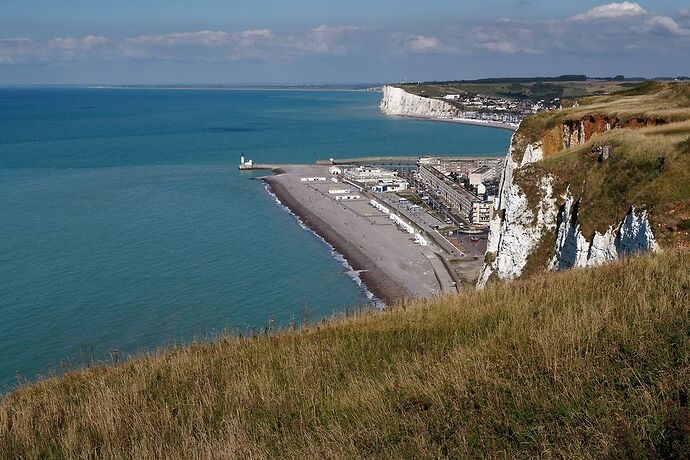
point(241, 159)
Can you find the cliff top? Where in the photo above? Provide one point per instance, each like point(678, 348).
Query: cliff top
point(521, 88)
point(578, 364)
point(662, 103)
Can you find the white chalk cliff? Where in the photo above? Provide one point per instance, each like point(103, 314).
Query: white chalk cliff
point(632, 234)
point(520, 226)
point(399, 102)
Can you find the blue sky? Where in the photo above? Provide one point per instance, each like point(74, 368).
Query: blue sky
point(310, 41)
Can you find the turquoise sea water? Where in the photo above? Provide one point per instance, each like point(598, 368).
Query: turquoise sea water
point(125, 224)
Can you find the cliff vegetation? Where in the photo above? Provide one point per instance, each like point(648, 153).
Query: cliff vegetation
point(618, 167)
point(645, 133)
point(580, 364)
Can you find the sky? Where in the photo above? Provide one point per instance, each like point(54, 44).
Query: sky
point(322, 41)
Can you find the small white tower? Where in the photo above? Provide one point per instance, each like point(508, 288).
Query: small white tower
point(242, 159)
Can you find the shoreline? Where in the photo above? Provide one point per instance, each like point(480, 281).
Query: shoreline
point(352, 273)
point(461, 121)
point(375, 280)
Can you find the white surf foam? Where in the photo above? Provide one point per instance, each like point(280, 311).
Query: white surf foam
point(351, 272)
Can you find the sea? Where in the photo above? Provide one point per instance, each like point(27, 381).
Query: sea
point(126, 227)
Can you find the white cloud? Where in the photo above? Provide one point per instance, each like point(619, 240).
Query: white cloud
point(323, 39)
point(256, 34)
point(612, 11)
point(505, 47)
point(420, 44)
point(15, 50)
point(641, 34)
point(71, 44)
point(265, 44)
point(10, 48)
point(665, 24)
point(174, 45)
point(252, 41)
point(204, 38)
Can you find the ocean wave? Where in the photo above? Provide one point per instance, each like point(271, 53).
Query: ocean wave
point(351, 272)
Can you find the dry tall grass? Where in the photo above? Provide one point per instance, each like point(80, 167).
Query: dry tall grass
point(578, 364)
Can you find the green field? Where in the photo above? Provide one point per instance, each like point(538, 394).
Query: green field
point(520, 90)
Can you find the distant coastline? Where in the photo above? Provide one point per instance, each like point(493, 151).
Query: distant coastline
point(337, 88)
point(463, 121)
point(399, 103)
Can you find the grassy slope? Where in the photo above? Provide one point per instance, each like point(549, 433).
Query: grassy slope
point(586, 363)
point(668, 101)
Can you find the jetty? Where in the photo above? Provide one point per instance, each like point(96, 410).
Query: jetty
point(257, 166)
point(250, 165)
point(389, 162)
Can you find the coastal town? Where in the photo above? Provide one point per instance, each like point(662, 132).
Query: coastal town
point(345, 229)
point(499, 109)
point(413, 227)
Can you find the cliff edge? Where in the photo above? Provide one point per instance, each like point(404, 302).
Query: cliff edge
point(587, 184)
point(398, 102)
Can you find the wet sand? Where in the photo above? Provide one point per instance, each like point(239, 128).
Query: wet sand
point(391, 265)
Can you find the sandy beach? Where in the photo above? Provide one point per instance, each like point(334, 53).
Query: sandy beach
point(390, 263)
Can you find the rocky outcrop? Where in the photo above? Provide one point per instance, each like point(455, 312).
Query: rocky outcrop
point(525, 224)
point(533, 153)
point(577, 132)
point(632, 234)
point(399, 102)
point(517, 235)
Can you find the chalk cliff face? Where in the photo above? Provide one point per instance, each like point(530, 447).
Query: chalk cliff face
point(514, 238)
point(397, 101)
point(632, 234)
point(536, 226)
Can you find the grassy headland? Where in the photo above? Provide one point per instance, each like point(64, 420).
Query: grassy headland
point(585, 363)
point(648, 166)
point(566, 86)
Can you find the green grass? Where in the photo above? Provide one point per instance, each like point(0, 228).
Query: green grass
point(518, 90)
point(583, 364)
point(643, 171)
point(411, 197)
